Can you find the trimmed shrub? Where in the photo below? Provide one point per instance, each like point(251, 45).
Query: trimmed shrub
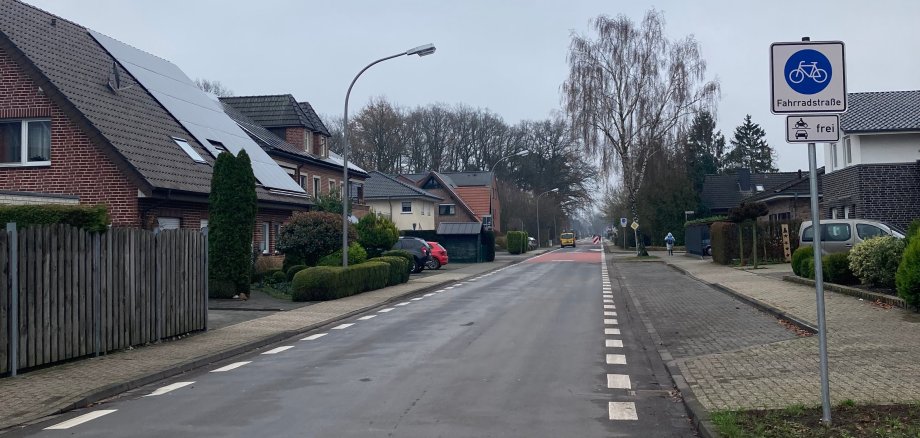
point(277, 277)
point(799, 256)
point(399, 269)
point(322, 283)
point(807, 268)
point(400, 253)
point(356, 255)
point(310, 236)
point(376, 234)
point(517, 242)
point(93, 218)
point(907, 278)
point(836, 269)
point(875, 261)
point(488, 245)
point(913, 231)
point(502, 242)
point(232, 216)
point(724, 241)
point(293, 270)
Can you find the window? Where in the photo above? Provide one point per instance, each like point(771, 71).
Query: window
point(431, 184)
point(192, 153)
point(866, 231)
point(829, 233)
point(834, 213)
point(846, 212)
point(331, 186)
point(447, 210)
point(834, 155)
point(759, 187)
point(847, 151)
point(308, 141)
point(218, 145)
point(169, 223)
point(407, 207)
point(316, 186)
point(303, 182)
point(263, 245)
point(341, 189)
point(25, 142)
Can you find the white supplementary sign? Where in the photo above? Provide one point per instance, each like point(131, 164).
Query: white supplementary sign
point(811, 129)
point(808, 77)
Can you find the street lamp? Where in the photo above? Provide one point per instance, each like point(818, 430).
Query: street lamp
point(538, 212)
point(425, 50)
point(492, 183)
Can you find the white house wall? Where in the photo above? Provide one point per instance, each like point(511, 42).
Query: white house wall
point(404, 221)
point(889, 148)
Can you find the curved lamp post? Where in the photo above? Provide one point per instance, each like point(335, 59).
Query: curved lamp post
point(538, 212)
point(425, 50)
point(492, 184)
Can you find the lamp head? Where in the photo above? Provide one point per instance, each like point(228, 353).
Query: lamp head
point(523, 153)
point(425, 50)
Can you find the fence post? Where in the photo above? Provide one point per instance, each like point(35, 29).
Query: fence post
point(157, 293)
point(97, 292)
point(13, 238)
point(204, 231)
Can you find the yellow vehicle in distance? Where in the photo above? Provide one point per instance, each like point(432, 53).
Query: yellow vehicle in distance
point(567, 239)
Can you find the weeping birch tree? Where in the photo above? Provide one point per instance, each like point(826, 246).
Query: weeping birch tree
point(629, 91)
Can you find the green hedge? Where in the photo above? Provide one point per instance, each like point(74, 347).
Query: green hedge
point(488, 245)
point(94, 218)
point(322, 283)
point(907, 278)
point(277, 277)
point(399, 269)
point(723, 237)
point(517, 242)
point(836, 269)
point(875, 261)
point(356, 256)
point(293, 270)
point(805, 252)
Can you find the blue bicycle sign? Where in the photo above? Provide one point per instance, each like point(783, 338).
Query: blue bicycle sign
point(808, 71)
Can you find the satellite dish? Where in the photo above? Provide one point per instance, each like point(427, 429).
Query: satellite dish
point(115, 79)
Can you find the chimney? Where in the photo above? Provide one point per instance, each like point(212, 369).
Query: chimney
point(744, 179)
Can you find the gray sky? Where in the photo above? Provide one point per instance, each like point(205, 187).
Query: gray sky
point(507, 56)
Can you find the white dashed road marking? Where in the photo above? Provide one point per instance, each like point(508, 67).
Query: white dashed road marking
point(616, 359)
point(608, 301)
point(416, 299)
point(614, 343)
point(609, 306)
point(610, 321)
point(81, 419)
point(388, 309)
point(313, 337)
point(279, 349)
point(168, 388)
point(611, 331)
point(344, 326)
point(622, 411)
point(403, 304)
point(428, 295)
point(618, 381)
point(365, 318)
point(232, 366)
point(610, 314)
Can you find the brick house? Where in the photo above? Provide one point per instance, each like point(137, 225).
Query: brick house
point(790, 200)
point(82, 121)
point(472, 189)
point(786, 194)
point(874, 171)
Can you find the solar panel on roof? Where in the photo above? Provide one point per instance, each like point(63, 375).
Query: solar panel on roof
point(203, 117)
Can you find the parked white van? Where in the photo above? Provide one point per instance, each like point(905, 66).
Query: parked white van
point(841, 235)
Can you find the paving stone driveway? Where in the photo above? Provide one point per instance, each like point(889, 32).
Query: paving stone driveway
point(874, 353)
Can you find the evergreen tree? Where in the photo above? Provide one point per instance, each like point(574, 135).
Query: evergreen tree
point(231, 214)
point(704, 149)
point(750, 150)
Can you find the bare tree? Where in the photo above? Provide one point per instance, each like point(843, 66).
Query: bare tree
point(629, 90)
point(214, 87)
point(377, 142)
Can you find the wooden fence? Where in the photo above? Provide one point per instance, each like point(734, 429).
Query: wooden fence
point(81, 293)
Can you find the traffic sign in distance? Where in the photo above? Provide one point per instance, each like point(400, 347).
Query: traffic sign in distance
point(807, 77)
point(635, 226)
point(623, 222)
point(596, 240)
point(812, 129)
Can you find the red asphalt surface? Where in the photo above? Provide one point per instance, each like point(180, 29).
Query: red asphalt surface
point(563, 256)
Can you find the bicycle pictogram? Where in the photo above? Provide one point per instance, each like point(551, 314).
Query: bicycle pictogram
point(808, 70)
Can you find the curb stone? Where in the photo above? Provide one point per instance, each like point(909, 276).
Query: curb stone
point(698, 415)
point(113, 390)
point(851, 291)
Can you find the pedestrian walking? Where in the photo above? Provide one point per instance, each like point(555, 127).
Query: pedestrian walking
point(669, 242)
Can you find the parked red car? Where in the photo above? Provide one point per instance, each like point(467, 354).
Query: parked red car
point(438, 256)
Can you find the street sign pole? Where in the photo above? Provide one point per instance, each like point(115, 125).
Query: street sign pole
point(819, 284)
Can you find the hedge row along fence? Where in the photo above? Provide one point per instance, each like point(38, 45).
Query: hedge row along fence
point(726, 246)
point(323, 283)
point(517, 242)
point(93, 218)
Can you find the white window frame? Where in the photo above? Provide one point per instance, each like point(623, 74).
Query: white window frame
point(263, 245)
point(317, 186)
point(189, 150)
point(303, 181)
point(202, 224)
point(308, 141)
point(834, 156)
point(847, 151)
point(331, 183)
point(24, 144)
point(277, 228)
point(403, 207)
point(453, 209)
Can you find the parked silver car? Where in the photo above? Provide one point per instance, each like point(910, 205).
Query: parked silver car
point(841, 235)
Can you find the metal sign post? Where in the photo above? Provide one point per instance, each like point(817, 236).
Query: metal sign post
point(819, 284)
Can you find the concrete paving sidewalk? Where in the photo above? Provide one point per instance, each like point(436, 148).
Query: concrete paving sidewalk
point(874, 352)
point(34, 395)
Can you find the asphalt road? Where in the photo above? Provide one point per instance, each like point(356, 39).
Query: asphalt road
point(526, 351)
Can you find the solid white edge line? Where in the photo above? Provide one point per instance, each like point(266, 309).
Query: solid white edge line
point(344, 326)
point(388, 309)
point(365, 318)
point(232, 366)
point(81, 419)
point(618, 381)
point(168, 388)
point(279, 349)
point(611, 331)
point(622, 411)
point(616, 359)
point(614, 343)
point(314, 337)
